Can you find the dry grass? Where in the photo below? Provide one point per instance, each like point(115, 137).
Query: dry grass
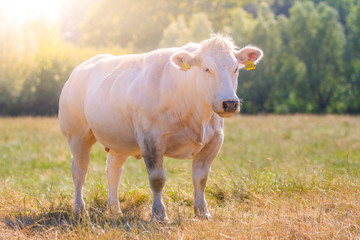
point(277, 177)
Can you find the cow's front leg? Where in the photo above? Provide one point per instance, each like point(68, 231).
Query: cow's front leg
point(114, 168)
point(154, 164)
point(200, 172)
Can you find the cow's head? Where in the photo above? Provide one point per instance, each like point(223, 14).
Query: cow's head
point(215, 66)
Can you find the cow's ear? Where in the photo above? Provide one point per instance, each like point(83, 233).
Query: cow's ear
point(183, 60)
point(249, 53)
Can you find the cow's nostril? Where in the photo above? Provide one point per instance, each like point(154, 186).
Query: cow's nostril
point(225, 106)
point(236, 105)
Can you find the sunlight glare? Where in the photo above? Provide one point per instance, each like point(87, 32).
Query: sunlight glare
point(23, 10)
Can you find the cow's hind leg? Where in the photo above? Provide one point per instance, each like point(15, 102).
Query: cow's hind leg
point(80, 146)
point(114, 168)
point(200, 172)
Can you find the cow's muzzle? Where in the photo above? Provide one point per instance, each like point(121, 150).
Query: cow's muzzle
point(230, 106)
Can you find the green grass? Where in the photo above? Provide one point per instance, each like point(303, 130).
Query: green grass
point(275, 177)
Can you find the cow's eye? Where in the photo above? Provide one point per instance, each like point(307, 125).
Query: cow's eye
point(207, 70)
point(236, 69)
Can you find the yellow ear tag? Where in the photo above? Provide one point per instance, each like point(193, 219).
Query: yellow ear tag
point(185, 66)
point(249, 65)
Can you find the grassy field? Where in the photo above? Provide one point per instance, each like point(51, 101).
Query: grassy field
point(282, 177)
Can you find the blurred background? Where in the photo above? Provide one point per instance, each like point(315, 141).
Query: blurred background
point(311, 62)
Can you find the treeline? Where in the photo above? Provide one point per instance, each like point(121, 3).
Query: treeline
point(311, 62)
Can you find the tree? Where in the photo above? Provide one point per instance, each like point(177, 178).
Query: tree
point(219, 11)
point(343, 7)
point(176, 34)
point(138, 24)
point(317, 38)
point(258, 87)
point(290, 73)
point(180, 32)
point(282, 6)
point(13, 69)
point(353, 59)
point(200, 27)
point(242, 26)
point(52, 61)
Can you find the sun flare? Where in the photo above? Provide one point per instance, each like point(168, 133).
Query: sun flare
point(24, 10)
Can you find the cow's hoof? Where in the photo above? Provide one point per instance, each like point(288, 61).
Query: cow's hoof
point(115, 210)
point(80, 214)
point(204, 216)
point(207, 216)
point(80, 211)
point(116, 213)
point(158, 219)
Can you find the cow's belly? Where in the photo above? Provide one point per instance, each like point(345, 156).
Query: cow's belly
point(118, 140)
point(114, 132)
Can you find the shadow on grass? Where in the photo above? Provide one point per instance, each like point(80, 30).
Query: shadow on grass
point(61, 218)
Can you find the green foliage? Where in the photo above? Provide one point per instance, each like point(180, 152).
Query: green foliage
point(123, 23)
point(180, 32)
point(302, 70)
point(46, 79)
point(200, 27)
point(256, 86)
point(219, 11)
point(352, 59)
point(176, 34)
point(140, 24)
point(317, 38)
point(32, 76)
point(242, 26)
point(343, 7)
point(12, 66)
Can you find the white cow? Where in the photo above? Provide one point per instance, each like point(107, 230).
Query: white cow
point(168, 102)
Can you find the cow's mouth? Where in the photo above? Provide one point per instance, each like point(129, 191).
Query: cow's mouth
point(225, 114)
